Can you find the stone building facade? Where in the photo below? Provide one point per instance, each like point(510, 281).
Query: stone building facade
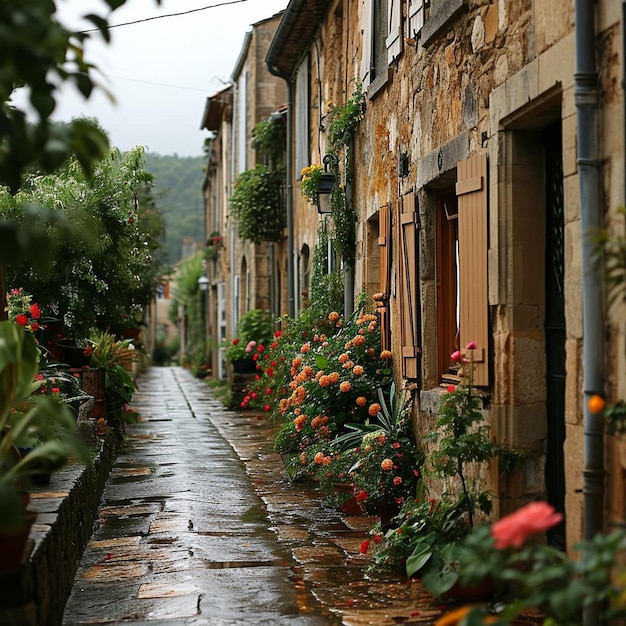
point(242, 275)
point(491, 146)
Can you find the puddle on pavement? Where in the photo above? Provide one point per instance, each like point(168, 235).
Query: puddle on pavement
point(255, 513)
point(237, 564)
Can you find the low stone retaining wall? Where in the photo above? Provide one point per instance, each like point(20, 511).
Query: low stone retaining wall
point(66, 510)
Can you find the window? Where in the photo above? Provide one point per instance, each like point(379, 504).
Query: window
point(447, 278)
point(242, 123)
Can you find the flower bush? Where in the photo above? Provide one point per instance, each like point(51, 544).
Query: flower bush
point(22, 310)
point(431, 528)
point(316, 381)
point(533, 574)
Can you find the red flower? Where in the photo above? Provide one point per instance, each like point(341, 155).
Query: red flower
point(21, 319)
point(267, 407)
point(456, 356)
point(278, 333)
point(513, 530)
point(472, 345)
point(361, 496)
point(34, 326)
point(451, 388)
point(235, 341)
point(365, 546)
point(35, 311)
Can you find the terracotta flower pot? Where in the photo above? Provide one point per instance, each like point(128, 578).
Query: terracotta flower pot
point(13, 545)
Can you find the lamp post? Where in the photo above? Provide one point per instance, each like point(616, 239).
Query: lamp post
point(203, 285)
point(325, 185)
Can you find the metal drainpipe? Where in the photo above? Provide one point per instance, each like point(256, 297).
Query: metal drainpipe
point(348, 275)
point(586, 99)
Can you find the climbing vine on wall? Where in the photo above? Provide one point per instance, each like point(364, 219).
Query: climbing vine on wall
point(341, 125)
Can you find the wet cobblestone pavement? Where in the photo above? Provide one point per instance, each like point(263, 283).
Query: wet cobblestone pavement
point(199, 525)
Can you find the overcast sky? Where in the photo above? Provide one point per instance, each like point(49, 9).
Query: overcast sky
point(162, 70)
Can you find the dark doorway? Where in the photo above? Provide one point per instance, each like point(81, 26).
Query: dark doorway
point(555, 325)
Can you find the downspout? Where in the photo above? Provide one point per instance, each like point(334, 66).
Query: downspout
point(586, 99)
point(348, 272)
point(289, 192)
point(233, 168)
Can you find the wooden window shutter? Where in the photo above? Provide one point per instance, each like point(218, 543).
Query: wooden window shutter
point(415, 17)
point(394, 29)
point(382, 299)
point(471, 190)
point(368, 35)
point(408, 287)
point(302, 156)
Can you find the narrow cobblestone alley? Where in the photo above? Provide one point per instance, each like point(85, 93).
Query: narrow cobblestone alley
point(194, 531)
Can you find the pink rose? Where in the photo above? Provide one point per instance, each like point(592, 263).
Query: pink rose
point(456, 356)
point(472, 345)
point(513, 530)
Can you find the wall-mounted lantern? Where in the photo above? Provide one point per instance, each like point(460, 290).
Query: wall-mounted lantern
point(326, 184)
point(203, 283)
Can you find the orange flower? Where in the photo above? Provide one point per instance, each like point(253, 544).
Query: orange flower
point(358, 340)
point(596, 404)
point(361, 401)
point(318, 458)
point(386, 464)
point(513, 530)
point(345, 386)
point(358, 370)
point(455, 617)
point(385, 355)
point(374, 409)
point(306, 347)
point(333, 316)
point(343, 357)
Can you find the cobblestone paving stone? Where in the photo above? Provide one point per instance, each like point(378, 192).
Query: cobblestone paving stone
point(199, 525)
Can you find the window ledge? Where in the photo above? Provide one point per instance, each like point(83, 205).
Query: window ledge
point(430, 399)
point(440, 18)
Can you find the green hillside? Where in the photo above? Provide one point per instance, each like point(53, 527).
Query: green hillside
point(178, 193)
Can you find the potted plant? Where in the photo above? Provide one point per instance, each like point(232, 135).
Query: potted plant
point(24, 413)
point(386, 463)
point(254, 333)
point(112, 355)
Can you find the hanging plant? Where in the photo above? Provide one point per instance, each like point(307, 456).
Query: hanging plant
point(311, 176)
point(257, 204)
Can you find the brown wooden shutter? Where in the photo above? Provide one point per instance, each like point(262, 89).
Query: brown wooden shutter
point(382, 299)
point(471, 189)
point(408, 287)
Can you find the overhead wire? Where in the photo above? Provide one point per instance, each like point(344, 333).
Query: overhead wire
point(160, 17)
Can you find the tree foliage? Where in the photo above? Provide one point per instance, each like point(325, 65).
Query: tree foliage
point(39, 54)
point(107, 268)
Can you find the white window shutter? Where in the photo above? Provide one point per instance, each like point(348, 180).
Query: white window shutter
point(302, 117)
point(415, 17)
point(394, 29)
point(367, 43)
